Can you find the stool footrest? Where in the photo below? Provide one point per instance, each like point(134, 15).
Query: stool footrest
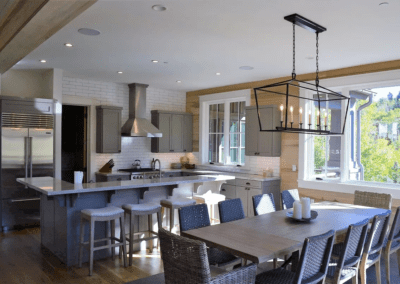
point(103, 240)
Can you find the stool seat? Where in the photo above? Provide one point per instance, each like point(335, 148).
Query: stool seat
point(103, 212)
point(177, 202)
point(142, 209)
point(209, 198)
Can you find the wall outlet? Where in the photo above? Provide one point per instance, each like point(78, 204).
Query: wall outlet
point(294, 168)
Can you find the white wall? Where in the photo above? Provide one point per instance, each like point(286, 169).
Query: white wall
point(118, 95)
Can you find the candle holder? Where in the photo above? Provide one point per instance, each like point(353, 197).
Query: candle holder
point(291, 125)
point(318, 127)
point(281, 123)
point(309, 126)
point(326, 127)
point(301, 125)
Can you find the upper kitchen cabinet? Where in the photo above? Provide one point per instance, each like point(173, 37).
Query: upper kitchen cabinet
point(176, 128)
point(266, 144)
point(108, 130)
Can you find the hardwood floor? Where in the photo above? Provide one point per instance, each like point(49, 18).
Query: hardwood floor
point(22, 260)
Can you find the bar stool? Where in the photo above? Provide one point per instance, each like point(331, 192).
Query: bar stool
point(108, 214)
point(140, 210)
point(175, 203)
point(211, 199)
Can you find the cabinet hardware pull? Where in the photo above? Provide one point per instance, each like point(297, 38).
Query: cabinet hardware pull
point(171, 150)
point(247, 183)
point(24, 200)
point(223, 189)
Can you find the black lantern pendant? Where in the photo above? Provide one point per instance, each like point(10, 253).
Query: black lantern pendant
point(325, 107)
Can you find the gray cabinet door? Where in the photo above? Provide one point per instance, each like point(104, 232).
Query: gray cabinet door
point(164, 125)
point(251, 134)
point(176, 133)
point(108, 130)
point(265, 138)
point(241, 192)
point(187, 133)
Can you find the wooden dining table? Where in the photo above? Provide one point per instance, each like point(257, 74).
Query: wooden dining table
point(272, 235)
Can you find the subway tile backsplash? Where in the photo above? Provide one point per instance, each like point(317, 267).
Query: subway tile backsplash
point(117, 94)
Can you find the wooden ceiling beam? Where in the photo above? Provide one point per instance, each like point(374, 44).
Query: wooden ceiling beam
point(24, 25)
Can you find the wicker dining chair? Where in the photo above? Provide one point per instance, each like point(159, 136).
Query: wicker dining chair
point(196, 216)
point(263, 203)
point(392, 244)
point(373, 199)
point(289, 197)
point(346, 266)
point(231, 210)
point(312, 267)
point(185, 262)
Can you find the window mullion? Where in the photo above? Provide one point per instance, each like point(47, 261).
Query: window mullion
point(226, 132)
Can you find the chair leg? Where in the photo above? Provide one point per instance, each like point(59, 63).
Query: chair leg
point(378, 271)
point(131, 232)
point(398, 259)
point(91, 247)
point(113, 238)
point(275, 263)
point(363, 271)
point(354, 280)
point(162, 215)
point(386, 254)
point(150, 225)
point(82, 239)
point(159, 221)
point(171, 218)
point(123, 239)
point(120, 237)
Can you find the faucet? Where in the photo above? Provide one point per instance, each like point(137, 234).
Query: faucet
point(153, 165)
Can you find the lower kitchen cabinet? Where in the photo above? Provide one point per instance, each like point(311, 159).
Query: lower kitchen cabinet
point(245, 189)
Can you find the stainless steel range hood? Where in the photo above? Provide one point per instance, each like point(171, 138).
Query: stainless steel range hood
point(137, 125)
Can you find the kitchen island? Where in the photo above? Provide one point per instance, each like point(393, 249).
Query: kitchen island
point(61, 203)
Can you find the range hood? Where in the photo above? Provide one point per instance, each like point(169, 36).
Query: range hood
point(137, 125)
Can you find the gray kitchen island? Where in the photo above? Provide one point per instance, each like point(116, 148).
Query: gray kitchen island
point(61, 203)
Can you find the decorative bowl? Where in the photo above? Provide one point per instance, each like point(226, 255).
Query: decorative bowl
point(314, 215)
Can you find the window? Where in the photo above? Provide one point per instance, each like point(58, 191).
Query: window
point(222, 128)
point(368, 154)
point(234, 121)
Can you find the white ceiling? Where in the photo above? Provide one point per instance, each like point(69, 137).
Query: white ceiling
point(201, 37)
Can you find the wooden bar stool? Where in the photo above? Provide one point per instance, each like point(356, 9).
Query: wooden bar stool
point(108, 214)
point(140, 210)
point(175, 203)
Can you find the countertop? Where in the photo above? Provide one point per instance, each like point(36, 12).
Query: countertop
point(53, 187)
point(205, 172)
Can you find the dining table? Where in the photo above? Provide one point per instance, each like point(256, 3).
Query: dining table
point(272, 235)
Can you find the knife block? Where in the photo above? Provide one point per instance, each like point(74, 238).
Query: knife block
point(106, 169)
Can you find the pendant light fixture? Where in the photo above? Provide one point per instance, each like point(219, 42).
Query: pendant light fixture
point(325, 110)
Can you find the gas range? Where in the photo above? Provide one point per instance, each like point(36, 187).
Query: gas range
point(142, 173)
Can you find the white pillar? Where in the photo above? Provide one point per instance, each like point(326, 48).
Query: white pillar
point(57, 95)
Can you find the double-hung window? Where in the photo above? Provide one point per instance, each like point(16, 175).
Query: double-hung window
point(223, 130)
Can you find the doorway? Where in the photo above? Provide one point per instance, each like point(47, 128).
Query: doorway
point(74, 142)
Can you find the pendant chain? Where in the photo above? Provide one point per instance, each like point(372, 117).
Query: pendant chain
point(294, 52)
point(317, 71)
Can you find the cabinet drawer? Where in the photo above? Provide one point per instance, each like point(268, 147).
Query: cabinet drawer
point(228, 190)
point(248, 183)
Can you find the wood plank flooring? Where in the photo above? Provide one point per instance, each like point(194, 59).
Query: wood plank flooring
point(22, 260)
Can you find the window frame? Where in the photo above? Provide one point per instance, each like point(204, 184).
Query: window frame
point(205, 102)
point(344, 85)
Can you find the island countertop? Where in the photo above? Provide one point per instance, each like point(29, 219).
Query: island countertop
point(54, 187)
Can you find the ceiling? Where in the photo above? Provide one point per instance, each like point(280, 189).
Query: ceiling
point(193, 40)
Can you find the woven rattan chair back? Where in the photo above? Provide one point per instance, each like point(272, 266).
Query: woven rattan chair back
point(263, 204)
point(373, 199)
point(353, 246)
point(193, 217)
point(231, 210)
point(314, 259)
point(289, 197)
point(376, 236)
point(394, 234)
point(185, 260)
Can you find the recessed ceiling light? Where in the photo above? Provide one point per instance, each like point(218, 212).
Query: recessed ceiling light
point(43, 61)
point(217, 73)
point(68, 44)
point(158, 8)
point(179, 82)
point(89, 32)
point(119, 72)
point(154, 61)
point(246, 68)
point(383, 3)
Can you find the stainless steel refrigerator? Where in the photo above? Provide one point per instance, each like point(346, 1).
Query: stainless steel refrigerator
point(26, 151)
